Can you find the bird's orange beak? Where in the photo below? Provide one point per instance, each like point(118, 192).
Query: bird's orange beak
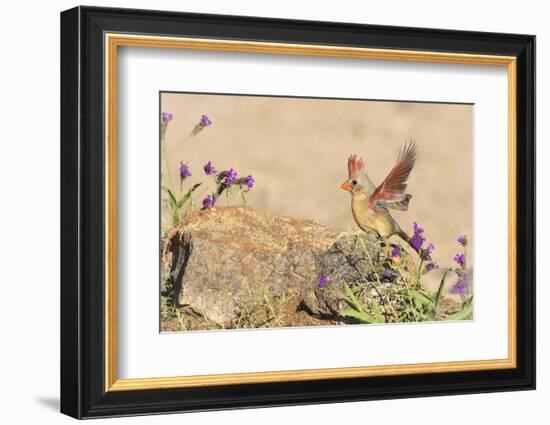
point(346, 186)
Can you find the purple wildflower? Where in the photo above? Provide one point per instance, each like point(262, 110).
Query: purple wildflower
point(417, 228)
point(431, 266)
point(201, 125)
point(229, 177)
point(249, 182)
point(166, 116)
point(460, 259)
point(460, 287)
point(388, 273)
point(322, 281)
point(184, 171)
point(462, 240)
point(417, 240)
point(430, 248)
point(208, 202)
point(396, 251)
point(209, 169)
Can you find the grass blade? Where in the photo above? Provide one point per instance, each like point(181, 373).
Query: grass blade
point(440, 289)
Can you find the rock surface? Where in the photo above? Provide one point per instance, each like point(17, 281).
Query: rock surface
point(219, 257)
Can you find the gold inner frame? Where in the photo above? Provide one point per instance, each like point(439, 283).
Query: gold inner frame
point(113, 41)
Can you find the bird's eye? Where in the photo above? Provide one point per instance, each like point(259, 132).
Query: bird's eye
point(354, 182)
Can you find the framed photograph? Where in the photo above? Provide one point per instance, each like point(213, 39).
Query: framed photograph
point(261, 212)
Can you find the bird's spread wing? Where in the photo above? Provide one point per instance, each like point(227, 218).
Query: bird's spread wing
point(390, 193)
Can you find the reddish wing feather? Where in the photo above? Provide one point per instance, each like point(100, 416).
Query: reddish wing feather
point(393, 186)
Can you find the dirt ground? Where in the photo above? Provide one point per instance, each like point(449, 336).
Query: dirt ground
point(297, 151)
point(291, 316)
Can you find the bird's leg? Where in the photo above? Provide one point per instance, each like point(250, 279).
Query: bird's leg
point(382, 241)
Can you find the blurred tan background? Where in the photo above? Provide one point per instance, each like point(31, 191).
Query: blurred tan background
point(297, 151)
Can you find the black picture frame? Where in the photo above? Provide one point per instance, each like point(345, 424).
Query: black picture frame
point(83, 392)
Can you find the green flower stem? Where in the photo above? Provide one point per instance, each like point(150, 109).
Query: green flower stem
point(408, 294)
point(420, 269)
point(465, 280)
point(176, 148)
point(175, 208)
point(377, 277)
point(168, 171)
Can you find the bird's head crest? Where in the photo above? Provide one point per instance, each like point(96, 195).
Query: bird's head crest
point(355, 165)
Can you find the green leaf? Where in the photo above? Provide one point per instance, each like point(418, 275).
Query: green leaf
point(357, 311)
point(427, 316)
point(174, 206)
point(351, 299)
point(440, 289)
point(175, 216)
point(463, 314)
point(359, 315)
point(173, 202)
point(421, 297)
point(186, 197)
point(378, 316)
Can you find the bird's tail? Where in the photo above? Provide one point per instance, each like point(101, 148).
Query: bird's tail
point(421, 252)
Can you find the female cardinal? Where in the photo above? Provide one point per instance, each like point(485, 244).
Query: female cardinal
point(370, 204)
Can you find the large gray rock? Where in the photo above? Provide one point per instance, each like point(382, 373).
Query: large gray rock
point(218, 257)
